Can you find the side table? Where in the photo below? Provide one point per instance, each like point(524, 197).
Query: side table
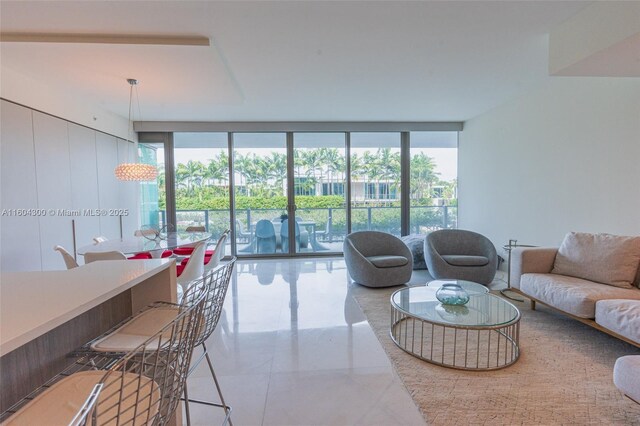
point(508, 248)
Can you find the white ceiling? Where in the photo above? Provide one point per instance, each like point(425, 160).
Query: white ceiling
point(293, 61)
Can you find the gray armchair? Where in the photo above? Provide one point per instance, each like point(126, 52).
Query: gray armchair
point(377, 259)
point(460, 254)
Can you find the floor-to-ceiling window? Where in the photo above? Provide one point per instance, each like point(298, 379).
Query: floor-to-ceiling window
point(332, 183)
point(260, 180)
point(320, 179)
point(201, 175)
point(375, 182)
point(433, 181)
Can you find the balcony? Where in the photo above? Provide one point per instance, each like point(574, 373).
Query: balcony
point(325, 228)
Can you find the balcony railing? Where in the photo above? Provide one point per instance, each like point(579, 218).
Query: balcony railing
point(330, 223)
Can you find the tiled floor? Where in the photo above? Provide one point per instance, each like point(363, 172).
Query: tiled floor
point(293, 348)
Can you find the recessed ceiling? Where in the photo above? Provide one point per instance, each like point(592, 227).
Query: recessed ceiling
point(293, 61)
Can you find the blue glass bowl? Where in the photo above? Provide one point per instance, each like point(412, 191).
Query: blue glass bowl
point(452, 294)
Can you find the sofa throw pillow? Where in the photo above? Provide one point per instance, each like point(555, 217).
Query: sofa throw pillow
point(603, 258)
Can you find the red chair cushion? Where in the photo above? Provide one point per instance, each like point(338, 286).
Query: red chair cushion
point(166, 253)
point(183, 251)
point(207, 258)
point(179, 269)
point(138, 256)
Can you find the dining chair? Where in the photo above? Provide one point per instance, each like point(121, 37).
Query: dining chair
point(265, 237)
point(69, 261)
point(218, 252)
point(146, 254)
point(187, 250)
point(194, 268)
point(143, 387)
point(94, 256)
point(284, 236)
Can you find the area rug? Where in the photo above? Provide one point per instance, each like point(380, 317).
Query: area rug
point(563, 377)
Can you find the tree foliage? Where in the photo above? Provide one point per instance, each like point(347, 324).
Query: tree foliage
point(260, 180)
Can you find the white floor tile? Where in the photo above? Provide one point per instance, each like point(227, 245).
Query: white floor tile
point(293, 348)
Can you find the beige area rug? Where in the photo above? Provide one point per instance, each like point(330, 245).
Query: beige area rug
point(563, 377)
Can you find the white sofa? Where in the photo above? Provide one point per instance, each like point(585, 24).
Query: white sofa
point(612, 308)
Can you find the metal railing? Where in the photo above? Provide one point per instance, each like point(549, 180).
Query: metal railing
point(331, 220)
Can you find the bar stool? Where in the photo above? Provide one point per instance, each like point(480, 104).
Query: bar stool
point(143, 387)
point(120, 339)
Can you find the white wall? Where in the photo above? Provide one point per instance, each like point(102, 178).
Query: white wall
point(564, 157)
point(48, 164)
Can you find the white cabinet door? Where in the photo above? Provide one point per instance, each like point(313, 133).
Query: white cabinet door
point(128, 191)
point(84, 182)
point(108, 192)
point(51, 143)
point(20, 235)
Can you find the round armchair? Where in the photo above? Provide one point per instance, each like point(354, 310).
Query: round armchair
point(460, 254)
point(377, 259)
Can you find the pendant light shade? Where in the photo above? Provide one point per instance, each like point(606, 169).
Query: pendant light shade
point(134, 171)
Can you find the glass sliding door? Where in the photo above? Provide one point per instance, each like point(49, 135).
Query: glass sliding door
point(319, 170)
point(260, 189)
point(433, 181)
point(375, 182)
point(201, 168)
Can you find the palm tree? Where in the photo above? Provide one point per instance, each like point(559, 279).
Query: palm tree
point(423, 175)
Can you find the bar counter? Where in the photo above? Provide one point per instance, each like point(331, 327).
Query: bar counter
point(45, 315)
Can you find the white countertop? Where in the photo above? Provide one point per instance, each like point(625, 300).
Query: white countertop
point(33, 303)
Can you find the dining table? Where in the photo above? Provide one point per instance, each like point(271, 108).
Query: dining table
point(142, 244)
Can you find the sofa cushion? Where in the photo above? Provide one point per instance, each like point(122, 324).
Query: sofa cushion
point(460, 260)
point(620, 316)
point(603, 258)
point(572, 295)
point(388, 261)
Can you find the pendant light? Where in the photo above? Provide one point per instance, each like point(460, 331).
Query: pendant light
point(134, 171)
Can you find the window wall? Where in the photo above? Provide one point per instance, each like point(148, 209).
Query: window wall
point(333, 183)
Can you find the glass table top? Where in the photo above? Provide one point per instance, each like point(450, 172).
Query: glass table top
point(469, 286)
point(482, 310)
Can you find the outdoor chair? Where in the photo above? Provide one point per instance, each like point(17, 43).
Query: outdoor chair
point(265, 237)
point(327, 231)
point(241, 233)
point(284, 236)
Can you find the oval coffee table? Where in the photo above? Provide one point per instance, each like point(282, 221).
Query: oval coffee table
point(481, 335)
